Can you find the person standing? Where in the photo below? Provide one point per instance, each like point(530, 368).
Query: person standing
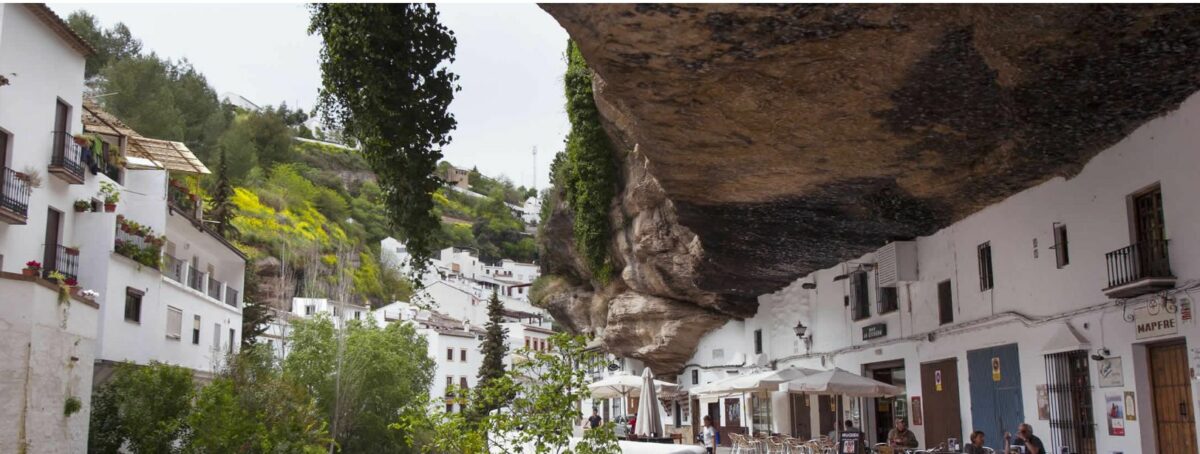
point(901, 437)
point(709, 436)
point(851, 439)
point(595, 420)
point(1028, 442)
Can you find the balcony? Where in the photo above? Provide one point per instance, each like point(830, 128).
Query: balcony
point(173, 268)
point(183, 201)
point(214, 288)
point(195, 279)
point(1139, 269)
point(66, 159)
point(14, 197)
point(64, 260)
point(231, 296)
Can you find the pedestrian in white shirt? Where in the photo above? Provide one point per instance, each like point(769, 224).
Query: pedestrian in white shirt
point(709, 436)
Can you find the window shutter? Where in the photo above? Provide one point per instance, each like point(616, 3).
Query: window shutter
point(174, 323)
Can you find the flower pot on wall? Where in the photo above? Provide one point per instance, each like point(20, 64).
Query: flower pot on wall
point(29, 272)
point(110, 207)
point(71, 251)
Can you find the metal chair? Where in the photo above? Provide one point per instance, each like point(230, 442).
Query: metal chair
point(773, 445)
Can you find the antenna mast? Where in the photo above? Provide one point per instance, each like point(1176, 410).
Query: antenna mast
point(535, 167)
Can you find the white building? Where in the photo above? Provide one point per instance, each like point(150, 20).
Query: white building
point(129, 311)
point(531, 211)
point(337, 311)
point(992, 321)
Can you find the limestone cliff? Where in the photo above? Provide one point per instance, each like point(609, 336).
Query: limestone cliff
point(761, 142)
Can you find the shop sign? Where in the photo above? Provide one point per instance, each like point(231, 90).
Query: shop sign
point(874, 331)
point(996, 368)
point(1153, 321)
point(1110, 372)
point(917, 415)
point(937, 380)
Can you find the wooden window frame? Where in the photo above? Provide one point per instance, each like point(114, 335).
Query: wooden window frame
point(137, 296)
point(1062, 250)
point(987, 278)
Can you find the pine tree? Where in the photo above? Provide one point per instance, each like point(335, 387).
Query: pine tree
point(494, 348)
point(494, 344)
point(222, 205)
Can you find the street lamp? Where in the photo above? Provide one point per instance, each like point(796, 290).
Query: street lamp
point(800, 329)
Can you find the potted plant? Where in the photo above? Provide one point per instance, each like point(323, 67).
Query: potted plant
point(82, 205)
point(71, 250)
point(82, 140)
point(31, 177)
point(111, 196)
point(32, 268)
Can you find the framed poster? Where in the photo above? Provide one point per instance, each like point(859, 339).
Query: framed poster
point(917, 418)
point(1114, 408)
point(1110, 373)
point(1130, 407)
point(1043, 402)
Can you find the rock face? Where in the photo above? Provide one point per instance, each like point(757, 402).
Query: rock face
point(773, 140)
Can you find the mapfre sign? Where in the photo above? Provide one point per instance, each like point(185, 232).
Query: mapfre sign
point(1153, 321)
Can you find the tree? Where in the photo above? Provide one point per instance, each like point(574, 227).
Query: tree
point(540, 398)
point(249, 408)
point(385, 371)
point(386, 84)
point(221, 209)
point(495, 341)
point(145, 407)
point(256, 315)
point(113, 44)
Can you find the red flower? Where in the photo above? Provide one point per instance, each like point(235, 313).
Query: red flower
point(33, 264)
point(71, 282)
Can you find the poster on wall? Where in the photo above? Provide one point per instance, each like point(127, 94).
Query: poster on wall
point(1043, 401)
point(1110, 372)
point(917, 418)
point(1130, 407)
point(1114, 405)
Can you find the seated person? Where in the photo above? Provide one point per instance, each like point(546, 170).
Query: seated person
point(851, 440)
point(901, 437)
point(976, 444)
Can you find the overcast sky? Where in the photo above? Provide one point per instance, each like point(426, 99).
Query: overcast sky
point(509, 59)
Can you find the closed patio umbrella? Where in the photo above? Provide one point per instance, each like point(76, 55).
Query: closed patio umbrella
point(649, 416)
point(843, 382)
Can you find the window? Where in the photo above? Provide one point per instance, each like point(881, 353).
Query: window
point(695, 376)
point(1070, 393)
point(216, 345)
point(133, 304)
point(449, 408)
point(1061, 256)
point(462, 382)
point(174, 323)
point(309, 309)
point(985, 266)
point(358, 315)
point(462, 355)
point(232, 335)
point(195, 330)
point(758, 341)
point(527, 343)
point(889, 299)
point(859, 295)
point(449, 354)
point(449, 386)
point(945, 303)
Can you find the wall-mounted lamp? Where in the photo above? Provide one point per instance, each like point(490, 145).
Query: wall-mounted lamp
point(1101, 354)
point(800, 329)
point(840, 277)
point(808, 285)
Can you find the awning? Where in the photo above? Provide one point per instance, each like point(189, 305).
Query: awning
point(172, 156)
point(1065, 339)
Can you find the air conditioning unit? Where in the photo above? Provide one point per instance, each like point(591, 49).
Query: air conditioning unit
point(897, 262)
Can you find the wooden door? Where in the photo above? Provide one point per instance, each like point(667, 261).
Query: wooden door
point(994, 375)
point(61, 128)
point(1150, 231)
point(50, 250)
point(801, 417)
point(826, 414)
point(1174, 421)
point(697, 422)
point(942, 411)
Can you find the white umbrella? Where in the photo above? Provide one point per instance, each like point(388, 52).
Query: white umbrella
point(840, 381)
point(761, 381)
point(709, 388)
point(649, 420)
point(622, 386)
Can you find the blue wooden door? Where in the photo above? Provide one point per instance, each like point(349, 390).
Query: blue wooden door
point(994, 375)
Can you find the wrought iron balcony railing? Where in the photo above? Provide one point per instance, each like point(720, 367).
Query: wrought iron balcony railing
point(14, 197)
point(66, 159)
point(1138, 262)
